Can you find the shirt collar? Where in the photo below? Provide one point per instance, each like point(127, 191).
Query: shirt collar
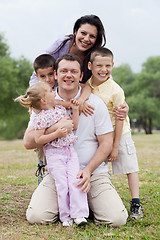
point(76, 97)
point(90, 81)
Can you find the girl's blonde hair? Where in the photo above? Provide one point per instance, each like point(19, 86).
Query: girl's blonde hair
point(33, 96)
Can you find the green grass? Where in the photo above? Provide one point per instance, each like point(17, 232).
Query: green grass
point(18, 181)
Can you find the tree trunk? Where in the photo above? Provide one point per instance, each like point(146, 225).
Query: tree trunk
point(150, 125)
point(147, 125)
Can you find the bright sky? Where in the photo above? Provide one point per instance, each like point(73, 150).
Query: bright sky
point(132, 26)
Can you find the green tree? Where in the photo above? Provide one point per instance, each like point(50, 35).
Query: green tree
point(144, 109)
point(14, 77)
point(4, 49)
point(124, 76)
point(142, 92)
point(145, 100)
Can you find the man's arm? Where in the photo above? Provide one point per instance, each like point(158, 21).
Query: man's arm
point(65, 122)
point(105, 146)
point(29, 139)
point(29, 136)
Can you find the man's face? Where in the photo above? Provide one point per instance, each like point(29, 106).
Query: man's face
point(68, 75)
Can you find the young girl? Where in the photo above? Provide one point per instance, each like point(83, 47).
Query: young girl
point(62, 160)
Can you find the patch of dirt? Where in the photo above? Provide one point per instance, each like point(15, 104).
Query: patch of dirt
point(14, 202)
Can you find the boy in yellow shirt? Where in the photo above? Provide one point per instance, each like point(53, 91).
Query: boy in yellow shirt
point(123, 155)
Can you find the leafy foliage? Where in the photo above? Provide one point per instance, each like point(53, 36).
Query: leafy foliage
point(14, 76)
point(142, 92)
point(124, 76)
point(4, 49)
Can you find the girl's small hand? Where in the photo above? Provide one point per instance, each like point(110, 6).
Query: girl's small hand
point(62, 132)
point(74, 104)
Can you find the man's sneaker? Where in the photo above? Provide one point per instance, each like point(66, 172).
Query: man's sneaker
point(67, 223)
point(80, 221)
point(136, 210)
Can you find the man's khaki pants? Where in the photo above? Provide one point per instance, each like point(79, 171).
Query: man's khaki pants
point(104, 201)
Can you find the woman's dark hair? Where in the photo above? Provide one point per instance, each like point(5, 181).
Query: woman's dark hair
point(101, 39)
point(95, 21)
point(92, 20)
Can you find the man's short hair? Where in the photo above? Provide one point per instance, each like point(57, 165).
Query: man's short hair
point(69, 57)
point(44, 61)
point(101, 51)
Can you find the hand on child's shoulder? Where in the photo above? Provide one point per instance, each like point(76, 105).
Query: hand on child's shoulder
point(87, 109)
point(74, 104)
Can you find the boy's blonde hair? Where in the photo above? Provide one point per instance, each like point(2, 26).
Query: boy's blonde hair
point(101, 51)
point(33, 96)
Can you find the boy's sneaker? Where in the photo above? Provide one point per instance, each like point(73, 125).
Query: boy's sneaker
point(80, 221)
point(39, 172)
point(67, 223)
point(136, 210)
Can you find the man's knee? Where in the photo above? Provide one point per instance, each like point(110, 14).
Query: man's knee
point(115, 219)
point(44, 217)
point(119, 219)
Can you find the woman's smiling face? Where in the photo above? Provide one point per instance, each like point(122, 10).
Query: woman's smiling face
point(85, 37)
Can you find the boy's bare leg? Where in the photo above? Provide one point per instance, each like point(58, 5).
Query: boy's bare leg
point(135, 208)
point(133, 183)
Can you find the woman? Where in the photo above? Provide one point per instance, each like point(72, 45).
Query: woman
point(88, 33)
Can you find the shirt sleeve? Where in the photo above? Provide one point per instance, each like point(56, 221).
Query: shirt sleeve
point(118, 98)
point(103, 122)
point(33, 79)
point(56, 45)
point(40, 121)
point(32, 116)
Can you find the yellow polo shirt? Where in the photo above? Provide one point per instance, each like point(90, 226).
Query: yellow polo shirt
point(113, 96)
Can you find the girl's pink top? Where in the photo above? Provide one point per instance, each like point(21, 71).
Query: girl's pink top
point(47, 118)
